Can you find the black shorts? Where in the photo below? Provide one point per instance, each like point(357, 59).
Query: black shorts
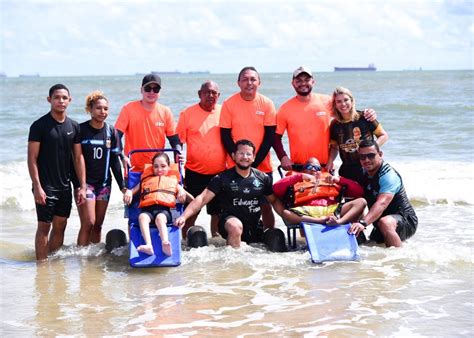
point(406, 227)
point(154, 210)
point(250, 233)
point(195, 183)
point(58, 203)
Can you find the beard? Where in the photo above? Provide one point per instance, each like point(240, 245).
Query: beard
point(305, 93)
point(242, 167)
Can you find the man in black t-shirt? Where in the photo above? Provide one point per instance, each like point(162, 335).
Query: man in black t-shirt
point(240, 190)
point(53, 144)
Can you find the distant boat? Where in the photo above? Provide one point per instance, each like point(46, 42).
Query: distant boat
point(29, 75)
point(370, 68)
point(156, 72)
point(199, 72)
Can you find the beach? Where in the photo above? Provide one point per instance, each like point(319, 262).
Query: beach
point(424, 288)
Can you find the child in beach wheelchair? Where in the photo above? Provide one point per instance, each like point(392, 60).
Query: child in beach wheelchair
point(315, 196)
point(158, 189)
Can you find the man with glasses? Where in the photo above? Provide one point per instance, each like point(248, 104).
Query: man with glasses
point(145, 123)
point(240, 190)
point(198, 127)
point(390, 211)
point(314, 196)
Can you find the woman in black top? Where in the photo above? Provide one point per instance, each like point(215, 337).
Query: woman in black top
point(347, 130)
point(101, 149)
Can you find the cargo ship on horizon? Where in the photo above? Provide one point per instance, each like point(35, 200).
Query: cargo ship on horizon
point(370, 68)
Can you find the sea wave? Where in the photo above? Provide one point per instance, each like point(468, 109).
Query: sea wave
point(426, 181)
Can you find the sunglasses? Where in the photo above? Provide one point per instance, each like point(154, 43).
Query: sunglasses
point(312, 167)
point(370, 156)
point(149, 88)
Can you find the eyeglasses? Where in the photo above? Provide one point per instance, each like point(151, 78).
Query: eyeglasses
point(148, 88)
point(370, 156)
point(240, 153)
point(312, 167)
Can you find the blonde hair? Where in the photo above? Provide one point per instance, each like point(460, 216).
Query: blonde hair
point(337, 115)
point(92, 99)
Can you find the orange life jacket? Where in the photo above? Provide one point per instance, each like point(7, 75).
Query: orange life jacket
point(158, 190)
point(306, 192)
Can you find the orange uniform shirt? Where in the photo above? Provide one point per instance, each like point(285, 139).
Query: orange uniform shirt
point(247, 120)
point(144, 129)
point(199, 129)
point(307, 124)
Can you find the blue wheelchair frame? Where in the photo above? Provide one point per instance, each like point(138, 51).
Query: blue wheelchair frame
point(159, 259)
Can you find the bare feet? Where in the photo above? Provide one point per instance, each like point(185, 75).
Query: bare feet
point(148, 249)
point(333, 220)
point(166, 247)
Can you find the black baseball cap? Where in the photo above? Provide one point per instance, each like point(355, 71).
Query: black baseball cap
point(151, 78)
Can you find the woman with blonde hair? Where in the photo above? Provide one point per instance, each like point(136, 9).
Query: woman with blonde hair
point(347, 130)
point(101, 149)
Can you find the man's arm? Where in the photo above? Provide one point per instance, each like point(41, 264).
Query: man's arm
point(33, 153)
point(176, 144)
point(286, 162)
point(268, 139)
point(201, 200)
point(226, 137)
point(276, 203)
point(382, 202)
point(80, 167)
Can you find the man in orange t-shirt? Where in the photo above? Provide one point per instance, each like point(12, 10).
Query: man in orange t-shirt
point(250, 115)
point(198, 127)
point(306, 118)
point(145, 123)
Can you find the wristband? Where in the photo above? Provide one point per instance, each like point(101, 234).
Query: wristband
point(364, 223)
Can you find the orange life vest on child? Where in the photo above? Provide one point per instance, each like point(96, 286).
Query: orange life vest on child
point(306, 192)
point(158, 190)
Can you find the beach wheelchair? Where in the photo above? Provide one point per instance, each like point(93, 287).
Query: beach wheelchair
point(139, 259)
point(324, 242)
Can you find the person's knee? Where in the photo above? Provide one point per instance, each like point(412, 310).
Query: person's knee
point(59, 223)
point(387, 224)
point(361, 202)
point(161, 219)
point(234, 227)
point(43, 228)
point(144, 218)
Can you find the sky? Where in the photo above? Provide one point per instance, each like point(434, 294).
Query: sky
point(111, 37)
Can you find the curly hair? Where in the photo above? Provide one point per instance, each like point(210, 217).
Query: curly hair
point(92, 99)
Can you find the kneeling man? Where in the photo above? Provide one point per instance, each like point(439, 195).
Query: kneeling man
point(239, 190)
point(390, 210)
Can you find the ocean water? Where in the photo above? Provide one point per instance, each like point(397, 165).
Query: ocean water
point(424, 288)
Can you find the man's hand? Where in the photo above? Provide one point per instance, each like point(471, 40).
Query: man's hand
point(286, 163)
point(81, 196)
point(370, 114)
point(180, 221)
point(356, 228)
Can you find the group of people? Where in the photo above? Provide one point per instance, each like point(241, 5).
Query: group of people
point(227, 166)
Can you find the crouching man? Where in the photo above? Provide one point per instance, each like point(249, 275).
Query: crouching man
point(239, 190)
